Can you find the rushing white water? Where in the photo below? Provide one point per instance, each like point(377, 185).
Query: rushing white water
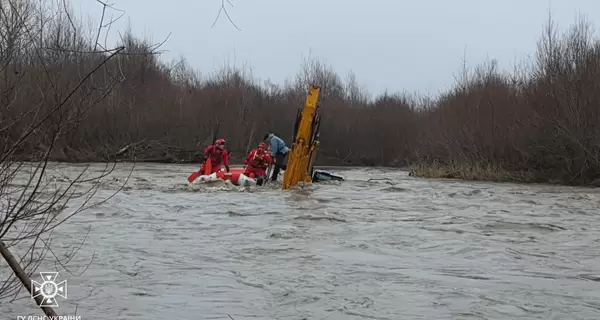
point(394, 247)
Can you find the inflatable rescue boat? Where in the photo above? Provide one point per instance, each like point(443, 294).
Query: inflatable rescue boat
point(235, 175)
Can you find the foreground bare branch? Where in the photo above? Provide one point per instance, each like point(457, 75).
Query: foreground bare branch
point(52, 79)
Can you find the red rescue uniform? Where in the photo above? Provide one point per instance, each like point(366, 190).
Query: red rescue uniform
point(218, 156)
point(257, 162)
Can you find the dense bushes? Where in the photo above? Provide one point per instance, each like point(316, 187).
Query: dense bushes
point(542, 123)
point(538, 123)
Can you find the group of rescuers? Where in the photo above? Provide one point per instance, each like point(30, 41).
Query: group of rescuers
point(258, 160)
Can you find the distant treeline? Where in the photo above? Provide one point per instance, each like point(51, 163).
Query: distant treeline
point(539, 123)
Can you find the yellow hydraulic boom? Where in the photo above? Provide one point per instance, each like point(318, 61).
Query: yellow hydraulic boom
point(306, 134)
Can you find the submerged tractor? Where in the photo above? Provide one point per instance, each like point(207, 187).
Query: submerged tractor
point(305, 144)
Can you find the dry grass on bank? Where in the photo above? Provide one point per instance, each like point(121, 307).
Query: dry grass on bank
point(469, 172)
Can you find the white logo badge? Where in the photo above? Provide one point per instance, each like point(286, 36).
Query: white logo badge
point(49, 289)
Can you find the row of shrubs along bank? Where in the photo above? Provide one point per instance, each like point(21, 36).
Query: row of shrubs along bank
point(540, 123)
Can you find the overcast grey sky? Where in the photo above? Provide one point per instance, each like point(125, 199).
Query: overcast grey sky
point(394, 44)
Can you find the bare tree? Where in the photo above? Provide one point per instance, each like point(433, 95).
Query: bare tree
point(52, 76)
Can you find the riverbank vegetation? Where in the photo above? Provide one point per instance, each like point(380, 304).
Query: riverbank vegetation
point(537, 123)
point(52, 79)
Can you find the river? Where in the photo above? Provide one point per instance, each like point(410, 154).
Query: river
point(381, 245)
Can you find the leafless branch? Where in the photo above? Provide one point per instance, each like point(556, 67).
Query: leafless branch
point(223, 9)
point(49, 110)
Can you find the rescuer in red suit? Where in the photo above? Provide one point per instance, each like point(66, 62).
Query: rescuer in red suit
point(257, 162)
point(218, 156)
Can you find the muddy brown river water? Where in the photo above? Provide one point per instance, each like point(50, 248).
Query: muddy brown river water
point(394, 247)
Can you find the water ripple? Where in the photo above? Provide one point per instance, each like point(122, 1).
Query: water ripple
point(381, 245)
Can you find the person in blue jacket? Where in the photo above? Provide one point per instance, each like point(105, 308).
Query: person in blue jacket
point(279, 152)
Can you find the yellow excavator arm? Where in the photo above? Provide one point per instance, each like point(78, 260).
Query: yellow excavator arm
point(305, 143)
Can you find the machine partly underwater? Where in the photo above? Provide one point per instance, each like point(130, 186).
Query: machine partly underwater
point(301, 160)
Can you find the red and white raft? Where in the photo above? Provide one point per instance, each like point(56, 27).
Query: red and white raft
point(235, 176)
